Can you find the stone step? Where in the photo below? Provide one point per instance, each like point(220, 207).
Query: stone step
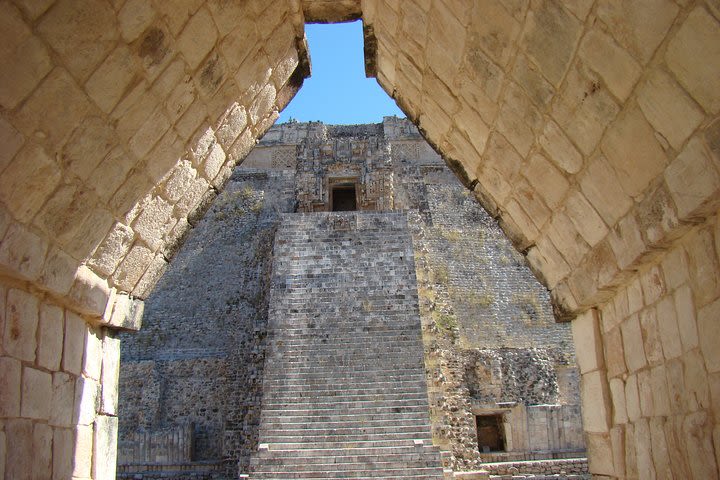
point(318, 429)
point(349, 420)
point(352, 451)
point(348, 404)
point(362, 370)
point(344, 438)
point(342, 445)
point(415, 473)
point(330, 411)
point(335, 392)
point(371, 463)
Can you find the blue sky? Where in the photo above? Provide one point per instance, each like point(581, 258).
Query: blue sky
point(337, 91)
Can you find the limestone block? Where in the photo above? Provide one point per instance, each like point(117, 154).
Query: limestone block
point(86, 401)
point(58, 273)
point(90, 292)
point(550, 36)
point(693, 181)
point(493, 29)
point(704, 270)
point(50, 337)
point(112, 250)
point(617, 394)
point(699, 74)
point(596, 402)
point(12, 141)
point(213, 162)
point(614, 352)
point(685, 309)
point(21, 320)
point(153, 222)
point(87, 147)
point(630, 454)
point(626, 242)
point(150, 132)
point(645, 392)
point(697, 394)
point(560, 149)
point(134, 17)
point(63, 448)
point(25, 53)
point(588, 341)
point(518, 120)
point(631, 25)
point(197, 38)
point(617, 440)
point(231, 125)
point(19, 457)
point(676, 385)
point(584, 109)
point(600, 185)
point(547, 180)
point(36, 390)
point(192, 197)
point(635, 296)
point(111, 173)
point(643, 449)
point(668, 326)
point(617, 68)
point(709, 333)
point(469, 121)
point(697, 428)
point(565, 236)
point(83, 452)
point(600, 455)
point(164, 156)
point(661, 393)
point(531, 80)
point(177, 14)
point(111, 80)
point(632, 398)
point(631, 137)
point(131, 269)
point(546, 259)
point(651, 335)
point(74, 342)
point(92, 359)
point(76, 219)
point(585, 218)
point(262, 104)
point(151, 276)
point(105, 447)
point(660, 448)
point(178, 181)
point(63, 400)
point(127, 313)
point(446, 36)
point(668, 108)
point(9, 387)
point(110, 374)
point(633, 344)
point(522, 220)
point(434, 122)
point(653, 285)
point(181, 97)
point(42, 451)
point(23, 252)
point(40, 176)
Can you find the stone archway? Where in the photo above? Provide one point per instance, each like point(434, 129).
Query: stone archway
point(590, 130)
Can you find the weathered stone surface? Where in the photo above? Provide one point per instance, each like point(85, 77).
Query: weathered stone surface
point(105, 447)
point(596, 399)
point(550, 39)
point(74, 342)
point(588, 342)
point(110, 373)
point(632, 137)
point(10, 375)
point(19, 457)
point(21, 320)
point(42, 451)
point(82, 453)
point(36, 390)
point(693, 180)
point(700, 75)
point(50, 336)
point(63, 400)
point(197, 38)
point(86, 401)
point(709, 334)
point(89, 292)
point(617, 68)
point(633, 344)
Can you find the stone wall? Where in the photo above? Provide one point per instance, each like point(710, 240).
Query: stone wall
point(199, 358)
point(589, 129)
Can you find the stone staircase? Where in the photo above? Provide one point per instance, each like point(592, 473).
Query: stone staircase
point(344, 393)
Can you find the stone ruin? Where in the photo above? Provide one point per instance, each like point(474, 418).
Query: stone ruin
point(502, 382)
point(588, 129)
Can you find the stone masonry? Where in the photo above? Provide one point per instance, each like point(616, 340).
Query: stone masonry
point(492, 345)
point(589, 129)
point(344, 393)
